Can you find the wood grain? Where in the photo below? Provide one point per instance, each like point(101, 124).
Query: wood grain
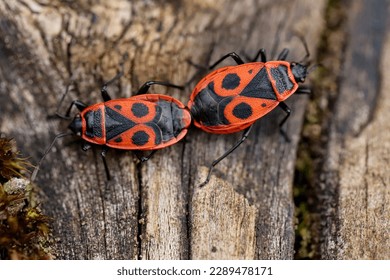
point(353, 182)
point(155, 210)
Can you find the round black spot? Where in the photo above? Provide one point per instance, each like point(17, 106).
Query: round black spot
point(263, 105)
point(250, 71)
point(231, 81)
point(139, 110)
point(118, 107)
point(118, 140)
point(242, 111)
point(140, 138)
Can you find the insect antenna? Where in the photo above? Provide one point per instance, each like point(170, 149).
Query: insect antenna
point(36, 169)
point(313, 67)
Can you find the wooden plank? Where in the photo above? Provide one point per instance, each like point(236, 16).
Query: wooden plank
point(229, 219)
point(152, 211)
point(262, 168)
point(353, 187)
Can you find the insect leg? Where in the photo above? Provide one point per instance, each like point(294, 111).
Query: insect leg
point(79, 105)
point(85, 146)
point(286, 109)
point(303, 90)
point(233, 55)
point(103, 154)
point(283, 54)
point(145, 87)
point(262, 55)
point(143, 158)
point(228, 152)
point(104, 92)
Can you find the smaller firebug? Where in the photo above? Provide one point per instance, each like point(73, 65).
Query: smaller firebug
point(143, 122)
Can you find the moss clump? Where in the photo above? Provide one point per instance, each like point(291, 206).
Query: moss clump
point(11, 164)
point(24, 230)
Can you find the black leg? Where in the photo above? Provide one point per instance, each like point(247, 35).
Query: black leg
point(233, 55)
point(142, 157)
point(85, 146)
point(145, 87)
point(104, 92)
point(303, 90)
point(228, 152)
point(103, 154)
point(262, 55)
point(79, 105)
point(286, 109)
point(283, 55)
point(63, 97)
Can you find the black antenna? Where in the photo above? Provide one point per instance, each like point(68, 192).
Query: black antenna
point(36, 169)
point(313, 67)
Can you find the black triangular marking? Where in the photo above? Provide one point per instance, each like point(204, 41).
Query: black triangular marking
point(259, 87)
point(116, 123)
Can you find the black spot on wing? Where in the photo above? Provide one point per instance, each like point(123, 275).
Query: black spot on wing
point(140, 138)
point(231, 81)
point(118, 140)
point(242, 111)
point(139, 110)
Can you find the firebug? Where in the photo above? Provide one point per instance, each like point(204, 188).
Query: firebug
point(233, 98)
point(143, 122)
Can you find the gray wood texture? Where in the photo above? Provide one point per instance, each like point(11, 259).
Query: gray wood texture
point(353, 184)
point(156, 210)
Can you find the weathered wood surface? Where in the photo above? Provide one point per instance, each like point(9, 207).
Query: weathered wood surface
point(155, 210)
point(353, 184)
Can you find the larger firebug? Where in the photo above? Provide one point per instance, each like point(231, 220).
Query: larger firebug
point(233, 98)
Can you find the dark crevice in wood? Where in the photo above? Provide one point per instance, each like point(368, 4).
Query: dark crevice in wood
point(140, 213)
point(310, 189)
point(185, 182)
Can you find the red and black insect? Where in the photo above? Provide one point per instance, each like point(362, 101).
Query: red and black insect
point(232, 98)
point(143, 122)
